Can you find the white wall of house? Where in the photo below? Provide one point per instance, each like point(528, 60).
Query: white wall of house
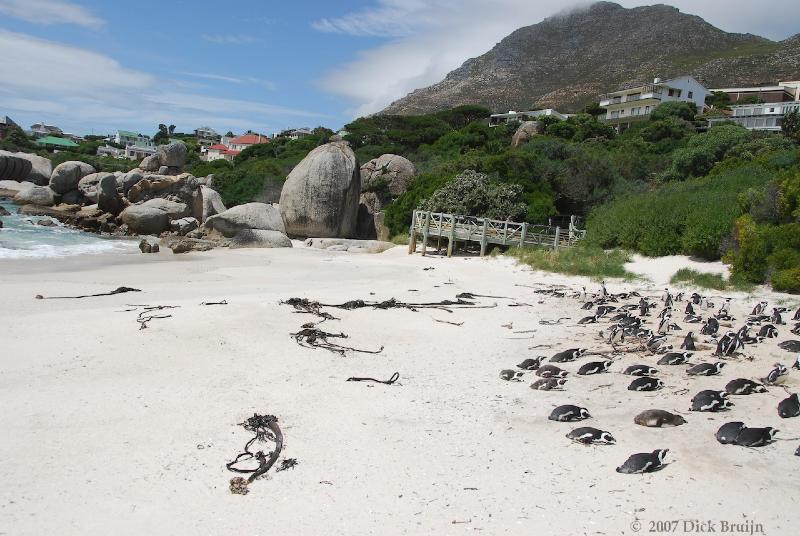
point(636, 102)
point(767, 116)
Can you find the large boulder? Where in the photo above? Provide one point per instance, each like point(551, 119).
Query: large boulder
point(247, 216)
point(172, 155)
point(353, 246)
point(526, 131)
point(126, 181)
point(150, 163)
point(73, 197)
point(36, 195)
point(67, 175)
point(207, 203)
point(41, 168)
point(182, 186)
point(258, 238)
point(182, 244)
point(173, 209)
point(142, 219)
point(320, 195)
point(389, 171)
point(11, 188)
point(108, 200)
point(88, 185)
point(13, 167)
point(183, 226)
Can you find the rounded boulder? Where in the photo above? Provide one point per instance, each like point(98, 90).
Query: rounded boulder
point(259, 238)
point(248, 216)
point(67, 175)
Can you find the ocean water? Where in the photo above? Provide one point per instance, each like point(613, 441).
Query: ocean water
point(21, 238)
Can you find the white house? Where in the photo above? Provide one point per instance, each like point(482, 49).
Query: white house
point(637, 103)
point(206, 136)
point(220, 152)
point(767, 116)
point(496, 119)
point(126, 137)
point(41, 129)
point(137, 152)
point(782, 92)
point(240, 143)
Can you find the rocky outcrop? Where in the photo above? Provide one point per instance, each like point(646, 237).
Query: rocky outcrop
point(352, 246)
point(183, 225)
point(247, 216)
point(146, 247)
point(259, 238)
point(36, 195)
point(13, 167)
point(108, 200)
point(207, 203)
point(11, 188)
point(142, 219)
point(172, 155)
point(73, 197)
point(320, 195)
point(390, 172)
point(88, 185)
point(67, 175)
point(526, 131)
point(150, 163)
point(41, 168)
point(183, 244)
point(173, 209)
point(126, 181)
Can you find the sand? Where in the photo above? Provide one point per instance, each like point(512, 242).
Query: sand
point(112, 430)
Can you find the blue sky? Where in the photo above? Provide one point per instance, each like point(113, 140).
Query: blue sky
point(95, 66)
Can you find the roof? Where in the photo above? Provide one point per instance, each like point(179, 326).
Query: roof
point(5, 120)
point(52, 140)
point(233, 152)
point(249, 139)
point(217, 147)
point(750, 89)
point(128, 133)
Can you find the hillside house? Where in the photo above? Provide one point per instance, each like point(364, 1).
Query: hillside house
point(497, 119)
point(220, 152)
point(782, 92)
point(56, 143)
point(240, 143)
point(207, 136)
point(768, 117)
point(126, 137)
point(6, 123)
point(627, 106)
point(40, 130)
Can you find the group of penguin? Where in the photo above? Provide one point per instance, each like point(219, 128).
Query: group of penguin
point(626, 325)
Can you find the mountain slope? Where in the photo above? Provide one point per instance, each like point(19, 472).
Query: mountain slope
point(566, 61)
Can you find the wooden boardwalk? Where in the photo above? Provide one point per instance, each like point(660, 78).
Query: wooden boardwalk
point(484, 231)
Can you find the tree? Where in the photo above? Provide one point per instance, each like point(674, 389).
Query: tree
point(719, 99)
point(682, 110)
point(594, 109)
point(229, 134)
point(171, 130)
point(473, 194)
point(791, 125)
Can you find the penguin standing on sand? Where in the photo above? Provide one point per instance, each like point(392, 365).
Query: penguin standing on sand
point(688, 342)
point(758, 310)
point(776, 316)
point(796, 364)
point(644, 462)
point(644, 307)
point(789, 407)
point(603, 291)
point(796, 314)
point(588, 435)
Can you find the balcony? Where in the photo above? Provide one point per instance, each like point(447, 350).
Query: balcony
point(647, 91)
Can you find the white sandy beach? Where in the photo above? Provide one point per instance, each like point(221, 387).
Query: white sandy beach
point(112, 430)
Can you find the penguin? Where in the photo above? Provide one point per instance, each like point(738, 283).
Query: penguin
point(689, 309)
point(796, 314)
point(711, 327)
point(644, 307)
point(759, 308)
point(582, 294)
point(722, 395)
point(728, 344)
point(696, 298)
point(769, 331)
point(796, 364)
point(548, 384)
point(792, 346)
point(755, 437)
point(644, 462)
point(603, 290)
point(568, 355)
point(531, 364)
point(688, 342)
point(665, 295)
point(742, 386)
point(656, 342)
point(692, 319)
point(675, 358)
point(789, 407)
point(616, 335)
point(776, 316)
point(665, 325)
point(705, 369)
point(511, 375)
point(796, 329)
point(723, 309)
point(656, 418)
point(551, 371)
point(604, 310)
point(568, 412)
point(728, 432)
point(710, 401)
point(588, 320)
point(595, 367)
point(588, 305)
point(797, 452)
point(679, 297)
point(640, 370)
point(776, 375)
point(588, 435)
point(646, 383)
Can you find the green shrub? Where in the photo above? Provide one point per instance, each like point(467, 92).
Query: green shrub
point(474, 194)
point(707, 280)
point(787, 280)
point(674, 109)
point(579, 260)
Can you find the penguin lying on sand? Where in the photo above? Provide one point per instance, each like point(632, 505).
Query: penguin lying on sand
point(755, 437)
point(645, 383)
point(511, 375)
point(588, 435)
point(568, 412)
point(644, 462)
point(705, 369)
point(548, 384)
point(769, 331)
point(728, 432)
point(595, 367)
point(551, 371)
point(656, 418)
point(568, 355)
point(790, 346)
point(789, 407)
point(530, 364)
point(710, 401)
point(640, 370)
point(674, 358)
point(743, 386)
point(777, 375)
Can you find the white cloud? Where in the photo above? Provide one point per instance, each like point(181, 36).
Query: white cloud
point(430, 38)
point(230, 39)
point(49, 12)
point(80, 89)
point(265, 84)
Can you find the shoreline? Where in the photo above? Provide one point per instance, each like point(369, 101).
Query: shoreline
point(106, 422)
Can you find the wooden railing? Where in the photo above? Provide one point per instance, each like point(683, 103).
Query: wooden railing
point(485, 231)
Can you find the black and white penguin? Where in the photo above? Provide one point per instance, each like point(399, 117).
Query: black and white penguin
point(710, 401)
point(711, 327)
point(743, 386)
point(728, 432)
point(777, 375)
point(588, 320)
point(603, 290)
point(792, 346)
point(797, 452)
point(675, 358)
point(640, 370)
point(588, 435)
point(755, 437)
point(776, 317)
point(796, 314)
point(769, 331)
point(548, 384)
point(595, 367)
point(551, 371)
point(705, 369)
point(604, 310)
point(665, 295)
point(644, 307)
point(511, 375)
point(616, 335)
point(688, 342)
point(568, 412)
point(656, 343)
point(645, 383)
point(656, 418)
point(689, 309)
point(759, 308)
point(789, 407)
point(644, 462)
point(568, 355)
point(696, 298)
point(531, 363)
point(692, 319)
point(728, 344)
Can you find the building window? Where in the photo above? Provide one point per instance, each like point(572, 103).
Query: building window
point(691, 94)
point(614, 115)
point(646, 109)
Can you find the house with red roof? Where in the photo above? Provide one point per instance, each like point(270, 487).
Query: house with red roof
point(240, 143)
point(220, 152)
